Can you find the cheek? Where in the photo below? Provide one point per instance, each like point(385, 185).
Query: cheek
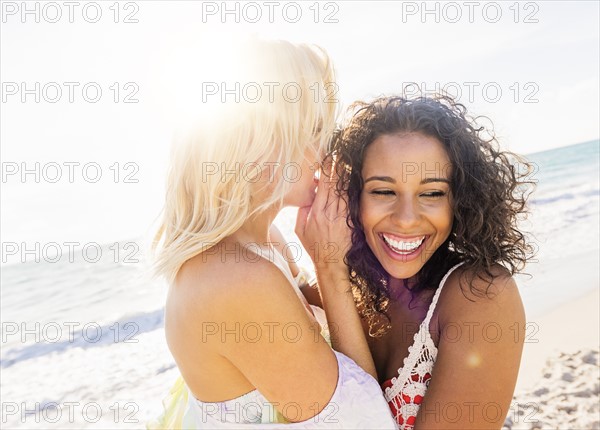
point(445, 221)
point(373, 210)
point(308, 173)
point(368, 218)
point(303, 179)
point(450, 222)
point(450, 210)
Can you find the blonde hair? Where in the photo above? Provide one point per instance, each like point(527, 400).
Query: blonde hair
point(215, 166)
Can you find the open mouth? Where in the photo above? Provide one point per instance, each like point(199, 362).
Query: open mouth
point(403, 246)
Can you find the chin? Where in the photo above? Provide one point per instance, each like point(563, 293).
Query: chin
point(398, 269)
point(395, 270)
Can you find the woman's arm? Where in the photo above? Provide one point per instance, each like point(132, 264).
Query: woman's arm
point(244, 318)
point(323, 231)
point(264, 331)
point(346, 328)
point(478, 357)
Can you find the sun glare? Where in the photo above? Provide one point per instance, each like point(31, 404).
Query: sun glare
point(198, 76)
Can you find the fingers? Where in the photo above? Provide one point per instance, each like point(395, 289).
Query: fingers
point(336, 204)
point(320, 202)
point(327, 202)
point(328, 183)
point(334, 180)
point(327, 165)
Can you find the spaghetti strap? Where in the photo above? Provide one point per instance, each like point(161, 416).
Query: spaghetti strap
point(403, 391)
point(274, 257)
point(437, 295)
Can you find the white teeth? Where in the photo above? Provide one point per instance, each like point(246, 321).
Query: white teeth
point(404, 247)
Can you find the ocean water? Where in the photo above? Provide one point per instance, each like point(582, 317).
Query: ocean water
point(83, 343)
point(565, 203)
point(564, 225)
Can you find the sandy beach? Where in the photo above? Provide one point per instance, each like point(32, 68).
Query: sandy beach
point(559, 378)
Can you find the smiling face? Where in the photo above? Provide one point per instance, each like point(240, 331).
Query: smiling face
point(405, 203)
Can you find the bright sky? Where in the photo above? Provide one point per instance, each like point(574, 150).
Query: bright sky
point(532, 67)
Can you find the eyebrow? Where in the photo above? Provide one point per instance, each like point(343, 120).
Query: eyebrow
point(393, 181)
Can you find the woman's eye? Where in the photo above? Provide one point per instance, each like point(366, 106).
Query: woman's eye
point(434, 194)
point(382, 192)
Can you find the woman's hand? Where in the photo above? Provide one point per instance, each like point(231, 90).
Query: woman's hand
point(322, 227)
point(323, 231)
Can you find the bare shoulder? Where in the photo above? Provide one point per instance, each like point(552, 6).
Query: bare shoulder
point(465, 293)
point(228, 281)
point(247, 305)
point(481, 336)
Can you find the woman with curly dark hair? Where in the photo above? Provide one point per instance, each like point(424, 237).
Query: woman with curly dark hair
point(433, 206)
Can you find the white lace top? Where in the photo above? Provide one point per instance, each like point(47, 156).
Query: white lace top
point(404, 393)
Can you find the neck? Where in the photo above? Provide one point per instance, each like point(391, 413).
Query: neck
point(256, 228)
point(400, 289)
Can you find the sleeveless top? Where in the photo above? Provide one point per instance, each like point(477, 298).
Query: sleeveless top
point(404, 393)
point(357, 401)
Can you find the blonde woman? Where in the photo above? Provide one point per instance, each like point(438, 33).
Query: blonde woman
point(250, 349)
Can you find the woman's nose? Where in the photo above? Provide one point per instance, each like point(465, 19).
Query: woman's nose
point(405, 213)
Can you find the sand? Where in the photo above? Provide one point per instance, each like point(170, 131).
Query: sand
point(559, 378)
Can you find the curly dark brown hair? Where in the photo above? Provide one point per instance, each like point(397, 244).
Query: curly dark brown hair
point(489, 187)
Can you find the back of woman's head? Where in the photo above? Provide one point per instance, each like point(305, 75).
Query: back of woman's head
point(271, 103)
point(489, 190)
